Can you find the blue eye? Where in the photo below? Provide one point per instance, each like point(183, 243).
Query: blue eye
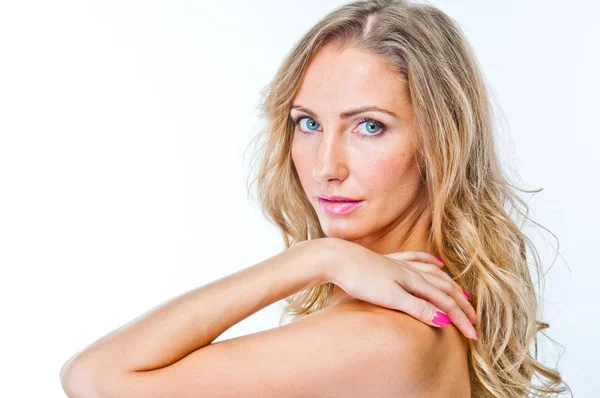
point(309, 124)
point(370, 125)
point(373, 127)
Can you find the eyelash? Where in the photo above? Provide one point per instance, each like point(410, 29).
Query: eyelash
point(383, 128)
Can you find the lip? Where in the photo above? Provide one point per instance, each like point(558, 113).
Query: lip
point(338, 208)
point(338, 198)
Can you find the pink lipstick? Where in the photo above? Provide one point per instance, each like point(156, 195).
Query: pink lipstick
point(338, 205)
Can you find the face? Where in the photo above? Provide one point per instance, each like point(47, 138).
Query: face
point(365, 155)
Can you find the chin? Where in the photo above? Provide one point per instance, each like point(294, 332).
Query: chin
point(339, 233)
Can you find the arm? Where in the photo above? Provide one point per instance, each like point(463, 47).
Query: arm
point(340, 351)
point(187, 323)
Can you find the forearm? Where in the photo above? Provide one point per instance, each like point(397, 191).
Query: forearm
point(193, 320)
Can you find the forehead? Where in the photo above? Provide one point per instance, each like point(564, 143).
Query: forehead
point(338, 79)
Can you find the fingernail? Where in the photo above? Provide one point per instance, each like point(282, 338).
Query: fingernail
point(476, 334)
point(466, 295)
point(440, 260)
point(441, 319)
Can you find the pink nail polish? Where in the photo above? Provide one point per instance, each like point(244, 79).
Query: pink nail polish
point(476, 335)
point(466, 295)
point(441, 319)
point(440, 260)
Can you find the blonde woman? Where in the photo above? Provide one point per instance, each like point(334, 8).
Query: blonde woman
point(404, 273)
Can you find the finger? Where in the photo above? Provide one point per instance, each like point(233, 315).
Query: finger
point(439, 273)
point(426, 312)
point(417, 256)
point(421, 310)
point(418, 286)
point(451, 288)
point(425, 267)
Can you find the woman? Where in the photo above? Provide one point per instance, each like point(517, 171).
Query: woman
point(378, 159)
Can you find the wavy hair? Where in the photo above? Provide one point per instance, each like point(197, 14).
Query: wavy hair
point(474, 204)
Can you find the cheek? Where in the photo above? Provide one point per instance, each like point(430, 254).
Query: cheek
point(301, 162)
point(382, 173)
point(390, 176)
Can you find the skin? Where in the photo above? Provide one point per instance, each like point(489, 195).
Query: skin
point(374, 162)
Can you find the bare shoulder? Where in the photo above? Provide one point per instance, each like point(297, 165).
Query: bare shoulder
point(431, 361)
point(351, 349)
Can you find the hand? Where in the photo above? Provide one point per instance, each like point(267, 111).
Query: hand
point(412, 282)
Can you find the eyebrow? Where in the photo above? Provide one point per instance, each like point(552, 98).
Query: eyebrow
point(350, 113)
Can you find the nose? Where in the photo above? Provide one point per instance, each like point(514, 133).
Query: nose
point(331, 159)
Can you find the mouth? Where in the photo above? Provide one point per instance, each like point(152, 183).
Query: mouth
point(339, 207)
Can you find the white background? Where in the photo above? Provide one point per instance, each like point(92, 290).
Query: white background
point(123, 127)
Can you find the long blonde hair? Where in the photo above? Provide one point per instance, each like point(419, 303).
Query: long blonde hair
point(472, 201)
